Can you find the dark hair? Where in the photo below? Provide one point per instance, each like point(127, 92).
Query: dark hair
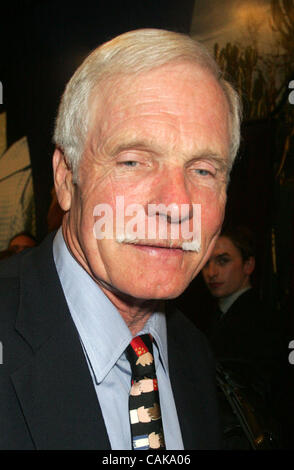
point(243, 239)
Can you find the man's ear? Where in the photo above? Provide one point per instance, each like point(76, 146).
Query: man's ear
point(62, 180)
point(249, 265)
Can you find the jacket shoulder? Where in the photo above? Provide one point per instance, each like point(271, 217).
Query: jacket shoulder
point(9, 288)
point(9, 267)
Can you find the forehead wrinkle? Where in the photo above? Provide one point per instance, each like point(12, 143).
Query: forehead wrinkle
point(147, 101)
point(118, 118)
point(116, 114)
point(134, 144)
point(134, 138)
point(142, 138)
point(166, 104)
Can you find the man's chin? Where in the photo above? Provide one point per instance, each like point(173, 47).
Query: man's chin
point(158, 292)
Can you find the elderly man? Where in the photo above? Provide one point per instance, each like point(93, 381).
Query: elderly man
point(146, 122)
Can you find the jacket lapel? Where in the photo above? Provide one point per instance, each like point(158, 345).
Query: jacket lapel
point(54, 388)
point(183, 394)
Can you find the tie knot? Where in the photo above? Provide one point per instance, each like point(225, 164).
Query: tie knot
point(140, 355)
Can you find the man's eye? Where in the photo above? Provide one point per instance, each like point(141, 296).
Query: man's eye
point(223, 261)
point(203, 172)
point(131, 163)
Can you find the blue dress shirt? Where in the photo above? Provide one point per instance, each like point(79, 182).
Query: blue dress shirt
point(104, 337)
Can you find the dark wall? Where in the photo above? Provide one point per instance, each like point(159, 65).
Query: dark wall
point(42, 43)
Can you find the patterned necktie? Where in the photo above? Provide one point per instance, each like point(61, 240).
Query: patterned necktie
point(145, 414)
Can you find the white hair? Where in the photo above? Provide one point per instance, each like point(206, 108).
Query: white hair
point(131, 53)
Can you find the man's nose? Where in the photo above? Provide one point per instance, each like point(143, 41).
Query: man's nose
point(211, 270)
point(171, 197)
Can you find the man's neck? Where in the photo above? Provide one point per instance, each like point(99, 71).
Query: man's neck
point(135, 312)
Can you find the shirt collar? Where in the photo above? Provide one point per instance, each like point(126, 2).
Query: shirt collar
point(226, 302)
point(156, 326)
point(103, 332)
